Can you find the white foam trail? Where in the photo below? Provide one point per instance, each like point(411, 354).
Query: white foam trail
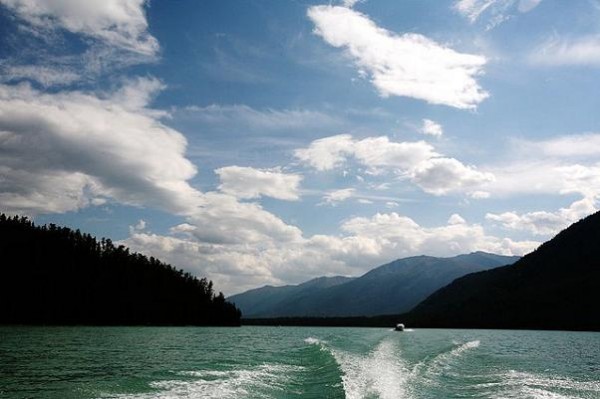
point(314, 341)
point(241, 383)
point(380, 373)
point(528, 385)
point(443, 361)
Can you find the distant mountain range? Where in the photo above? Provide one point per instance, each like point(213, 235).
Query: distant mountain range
point(555, 287)
point(389, 289)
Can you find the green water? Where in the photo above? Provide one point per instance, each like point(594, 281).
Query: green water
point(265, 362)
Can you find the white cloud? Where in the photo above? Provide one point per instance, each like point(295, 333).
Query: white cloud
point(246, 182)
point(332, 152)
point(46, 75)
point(546, 223)
point(479, 194)
point(558, 165)
point(571, 146)
point(350, 3)
point(138, 227)
point(472, 9)
point(568, 51)
point(334, 197)
point(408, 65)
point(554, 166)
point(416, 161)
point(367, 242)
point(497, 10)
point(61, 150)
point(222, 219)
point(528, 5)
point(327, 153)
point(455, 218)
point(270, 119)
point(431, 128)
point(376, 152)
point(440, 176)
point(118, 23)
point(400, 234)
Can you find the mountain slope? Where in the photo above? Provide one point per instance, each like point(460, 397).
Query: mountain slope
point(392, 288)
point(263, 300)
point(54, 275)
point(555, 287)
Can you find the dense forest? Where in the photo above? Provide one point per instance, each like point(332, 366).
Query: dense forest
point(55, 275)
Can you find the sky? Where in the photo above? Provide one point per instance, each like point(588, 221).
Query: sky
point(264, 142)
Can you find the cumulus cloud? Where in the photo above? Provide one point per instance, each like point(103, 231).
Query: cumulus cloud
point(331, 152)
point(366, 242)
point(68, 150)
point(327, 153)
point(440, 176)
point(563, 165)
point(377, 152)
point(545, 223)
point(247, 182)
point(118, 23)
point(557, 51)
point(58, 151)
point(334, 197)
point(455, 218)
point(559, 165)
point(225, 220)
point(138, 227)
point(431, 128)
point(395, 232)
point(416, 161)
point(409, 65)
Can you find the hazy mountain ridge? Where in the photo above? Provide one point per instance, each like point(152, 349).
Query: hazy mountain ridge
point(395, 287)
point(262, 300)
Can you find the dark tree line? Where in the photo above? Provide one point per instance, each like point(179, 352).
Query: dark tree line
point(55, 275)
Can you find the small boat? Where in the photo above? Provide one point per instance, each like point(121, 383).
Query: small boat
point(399, 327)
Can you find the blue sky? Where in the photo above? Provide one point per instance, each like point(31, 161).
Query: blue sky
point(269, 142)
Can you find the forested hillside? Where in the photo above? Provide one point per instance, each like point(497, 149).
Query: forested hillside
point(555, 287)
point(55, 275)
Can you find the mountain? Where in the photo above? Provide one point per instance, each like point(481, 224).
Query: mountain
point(262, 301)
point(555, 287)
point(54, 275)
point(389, 289)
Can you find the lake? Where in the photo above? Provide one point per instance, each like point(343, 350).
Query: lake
point(296, 362)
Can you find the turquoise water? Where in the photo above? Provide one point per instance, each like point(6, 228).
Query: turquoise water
point(286, 362)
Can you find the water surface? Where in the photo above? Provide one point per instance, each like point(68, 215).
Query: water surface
point(287, 362)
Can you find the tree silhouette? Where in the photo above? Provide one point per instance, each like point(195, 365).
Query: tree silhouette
point(55, 275)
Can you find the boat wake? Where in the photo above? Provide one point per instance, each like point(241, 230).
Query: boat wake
point(379, 373)
point(528, 385)
point(258, 382)
point(384, 373)
point(445, 360)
